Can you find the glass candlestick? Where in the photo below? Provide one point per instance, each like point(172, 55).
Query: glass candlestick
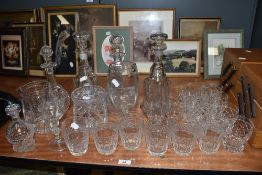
point(157, 86)
point(57, 102)
point(85, 75)
point(19, 133)
point(122, 78)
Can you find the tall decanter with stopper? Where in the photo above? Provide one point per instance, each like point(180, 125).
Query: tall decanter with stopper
point(85, 75)
point(157, 86)
point(57, 102)
point(122, 77)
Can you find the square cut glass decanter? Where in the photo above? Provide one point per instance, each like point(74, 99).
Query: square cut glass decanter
point(85, 75)
point(19, 133)
point(157, 101)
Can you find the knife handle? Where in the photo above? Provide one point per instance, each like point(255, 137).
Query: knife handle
point(240, 104)
point(225, 70)
point(251, 100)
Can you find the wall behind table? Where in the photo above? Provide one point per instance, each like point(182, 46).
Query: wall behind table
point(235, 14)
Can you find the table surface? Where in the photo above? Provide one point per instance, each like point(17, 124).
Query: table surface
point(247, 161)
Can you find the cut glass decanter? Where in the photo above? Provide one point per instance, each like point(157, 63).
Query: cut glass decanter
point(157, 87)
point(19, 133)
point(85, 75)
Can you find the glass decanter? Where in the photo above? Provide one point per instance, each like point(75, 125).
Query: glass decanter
point(85, 75)
point(19, 133)
point(122, 78)
point(157, 87)
point(57, 102)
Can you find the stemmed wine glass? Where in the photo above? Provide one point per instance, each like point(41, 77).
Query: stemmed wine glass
point(122, 78)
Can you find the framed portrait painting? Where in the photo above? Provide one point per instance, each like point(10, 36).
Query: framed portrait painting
point(13, 44)
point(35, 39)
point(144, 23)
point(102, 47)
point(193, 28)
point(61, 27)
point(215, 43)
point(182, 58)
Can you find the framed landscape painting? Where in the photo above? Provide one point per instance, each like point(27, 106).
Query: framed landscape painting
point(102, 47)
point(193, 28)
point(182, 58)
point(13, 44)
point(144, 23)
point(215, 43)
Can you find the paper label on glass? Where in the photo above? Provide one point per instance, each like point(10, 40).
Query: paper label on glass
point(74, 126)
point(115, 83)
point(124, 162)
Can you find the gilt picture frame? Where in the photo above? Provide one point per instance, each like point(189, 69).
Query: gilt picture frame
point(13, 58)
point(215, 43)
point(144, 23)
point(102, 47)
point(182, 58)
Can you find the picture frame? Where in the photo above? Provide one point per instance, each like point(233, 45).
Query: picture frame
point(21, 16)
point(215, 42)
point(194, 27)
point(182, 58)
point(35, 37)
point(88, 16)
point(102, 47)
point(13, 58)
point(144, 23)
point(61, 27)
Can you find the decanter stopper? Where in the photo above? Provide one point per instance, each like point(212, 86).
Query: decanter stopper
point(157, 70)
point(85, 75)
point(46, 52)
point(117, 46)
point(19, 133)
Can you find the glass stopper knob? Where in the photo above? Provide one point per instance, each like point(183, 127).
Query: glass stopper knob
point(12, 110)
point(81, 39)
point(46, 52)
point(159, 39)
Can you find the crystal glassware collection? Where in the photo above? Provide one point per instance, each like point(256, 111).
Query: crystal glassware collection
point(198, 114)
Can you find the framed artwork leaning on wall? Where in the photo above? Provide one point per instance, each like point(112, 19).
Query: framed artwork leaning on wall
point(182, 58)
point(13, 58)
point(102, 47)
point(215, 43)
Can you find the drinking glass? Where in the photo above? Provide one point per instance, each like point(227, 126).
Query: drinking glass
point(75, 135)
point(123, 85)
point(183, 138)
point(105, 136)
point(211, 137)
point(130, 130)
point(157, 136)
point(237, 135)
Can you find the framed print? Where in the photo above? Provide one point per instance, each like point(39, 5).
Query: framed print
point(193, 28)
point(182, 58)
point(35, 38)
point(102, 46)
point(12, 43)
point(61, 27)
point(144, 23)
point(215, 42)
